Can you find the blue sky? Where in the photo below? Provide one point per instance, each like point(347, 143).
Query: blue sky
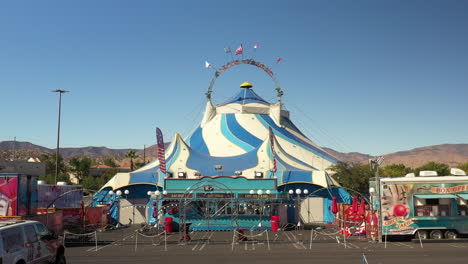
point(367, 76)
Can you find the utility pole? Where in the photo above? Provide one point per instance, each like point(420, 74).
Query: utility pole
point(58, 132)
point(144, 155)
point(14, 148)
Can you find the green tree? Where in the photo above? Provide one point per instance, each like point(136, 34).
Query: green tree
point(92, 183)
point(463, 166)
point(80, 166)
point(131, 155)
point(441, 168)
point(110, 162)
point(50, 160)
point(50, 178)
point(139, 165)
point(354, 176)
point(108, 174)
point(394, 170)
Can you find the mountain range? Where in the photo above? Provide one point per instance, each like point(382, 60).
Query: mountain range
point(451, 154)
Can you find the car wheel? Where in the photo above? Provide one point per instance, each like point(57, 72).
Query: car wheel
point(421, 234)
point(450, 234)
point(436, 234)
point(60, 259)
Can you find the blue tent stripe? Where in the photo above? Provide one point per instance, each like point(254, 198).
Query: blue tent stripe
point(197, 142)
point(240, 132)
point(231, 137)
point(284, 134)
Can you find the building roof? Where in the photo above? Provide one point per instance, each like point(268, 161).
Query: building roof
point(101, 166)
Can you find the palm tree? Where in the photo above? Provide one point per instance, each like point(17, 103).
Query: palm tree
point(131, 155)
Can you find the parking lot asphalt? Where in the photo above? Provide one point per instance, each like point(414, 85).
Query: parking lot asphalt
point(126, 246)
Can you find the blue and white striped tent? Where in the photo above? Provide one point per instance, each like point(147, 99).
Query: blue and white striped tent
point(235, 134)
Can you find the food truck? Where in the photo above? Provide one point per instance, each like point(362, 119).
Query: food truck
point(424, 206)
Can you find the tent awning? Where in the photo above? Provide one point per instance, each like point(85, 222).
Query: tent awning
point(435, 196)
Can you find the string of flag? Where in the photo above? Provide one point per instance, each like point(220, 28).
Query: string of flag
point(238, 51)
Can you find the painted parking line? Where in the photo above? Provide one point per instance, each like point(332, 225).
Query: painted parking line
point(457, 245)
point(352, 245)
point(403, 244)
point(206, 242)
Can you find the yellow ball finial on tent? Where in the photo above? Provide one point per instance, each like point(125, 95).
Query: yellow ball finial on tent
point(246, 85)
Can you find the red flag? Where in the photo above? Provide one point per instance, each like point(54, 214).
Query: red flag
point(273, 153)
point(240, 50)
point(161, 154)
point(278, 60)
point(334, 208)
point(362, 207)
point(354, 205)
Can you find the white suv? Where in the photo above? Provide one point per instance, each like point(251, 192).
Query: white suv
point(24, 242)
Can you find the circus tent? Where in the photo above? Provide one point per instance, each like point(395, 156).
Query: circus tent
point(233, 139)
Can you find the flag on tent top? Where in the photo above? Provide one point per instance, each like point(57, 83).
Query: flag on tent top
point(240, 50)
point(207, 64)
point(227, 50)
point(255, 46)
point(278, 60)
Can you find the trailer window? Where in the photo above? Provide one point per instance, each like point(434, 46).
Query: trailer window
point(433, 207)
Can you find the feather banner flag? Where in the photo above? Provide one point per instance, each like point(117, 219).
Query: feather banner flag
point(239, 50)
point(161, 154)
point(273, 153)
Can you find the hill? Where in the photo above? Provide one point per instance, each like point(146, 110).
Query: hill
point(451, 154)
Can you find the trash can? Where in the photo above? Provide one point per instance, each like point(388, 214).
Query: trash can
point(168, 222)
point(275, 221)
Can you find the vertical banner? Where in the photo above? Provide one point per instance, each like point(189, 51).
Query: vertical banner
point(161, 154)
point(272, 143)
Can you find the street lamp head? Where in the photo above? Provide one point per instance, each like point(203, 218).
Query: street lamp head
point(252, 192)
point(291, 192)
point(298, 191)
point(268, 191)
point(126, 192)
point(149, 193)
point(119, 193)
point(164, 192)
point(60, 91)
point(111, 192)
point(306, 191)
point(259, 192)
point(157, 193)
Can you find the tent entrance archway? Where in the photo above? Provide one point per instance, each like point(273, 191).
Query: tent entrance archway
point(208, 205)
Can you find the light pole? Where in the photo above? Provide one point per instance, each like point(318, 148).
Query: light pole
point(58, 131)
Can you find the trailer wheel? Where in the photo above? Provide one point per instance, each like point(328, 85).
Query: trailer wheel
point(421, 234)
point(449, 234)
point(436, 234)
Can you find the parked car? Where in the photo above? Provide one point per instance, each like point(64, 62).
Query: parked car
point(24, 242)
